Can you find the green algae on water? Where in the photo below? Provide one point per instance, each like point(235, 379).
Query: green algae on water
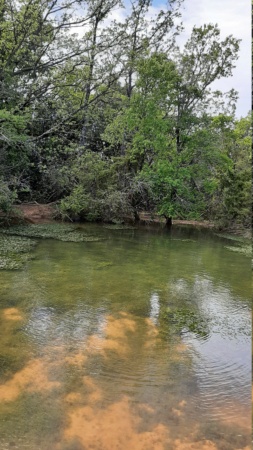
point(241, 244)
point(231, 237)
point(16, 244)
point(103, 265)
point(119, 227)
point(61, 232)
point(186, 320)
point(15, 251)
point(245, 250)
point(183, 240)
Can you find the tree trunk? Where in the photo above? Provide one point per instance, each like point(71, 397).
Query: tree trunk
point(83, 137)
point(168, 223)
point(136, 216)
point(178, 140)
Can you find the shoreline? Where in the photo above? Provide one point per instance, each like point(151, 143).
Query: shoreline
point(38, 213)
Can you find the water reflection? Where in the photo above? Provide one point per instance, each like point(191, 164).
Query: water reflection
point(154, 307)
point(130, 343)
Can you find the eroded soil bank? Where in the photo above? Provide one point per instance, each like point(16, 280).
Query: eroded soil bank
point(37, 213)
point(44, 213)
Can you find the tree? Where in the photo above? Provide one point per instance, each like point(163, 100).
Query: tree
point(205, 59)
point(232, 200)
point(144, 35)
point(101, 43)
point(116, 118)
point(182, 184)
point(95, 194)
point(36, 45)
point(168, 139)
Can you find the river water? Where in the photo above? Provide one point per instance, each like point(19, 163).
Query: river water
point(139, 341)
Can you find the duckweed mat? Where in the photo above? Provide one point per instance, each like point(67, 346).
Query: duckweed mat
point(245, 249)
point(119, 227)
point(15, 251)
point(17, 242)
point(239, 244)
point(61, 232)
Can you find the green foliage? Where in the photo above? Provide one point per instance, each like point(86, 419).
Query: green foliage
point(181, 178)
point(109, 125)
point(178, 187)
point(141, 129)
point(13, 126)
point(233, 197)
point(7, 198)
point(95, 194)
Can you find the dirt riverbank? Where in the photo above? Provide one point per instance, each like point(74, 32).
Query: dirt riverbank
point(36, 212)
point(44, 213)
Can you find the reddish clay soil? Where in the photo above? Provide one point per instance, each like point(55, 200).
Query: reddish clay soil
point(197, 223)
point(37, 213)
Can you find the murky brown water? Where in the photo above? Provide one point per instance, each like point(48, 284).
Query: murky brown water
point(140, 341)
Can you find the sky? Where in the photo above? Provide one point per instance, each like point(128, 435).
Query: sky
point(233, 17)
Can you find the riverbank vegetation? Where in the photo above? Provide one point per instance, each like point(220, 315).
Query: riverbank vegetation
point(109, 118)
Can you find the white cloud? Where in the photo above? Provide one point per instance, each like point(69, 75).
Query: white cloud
point(233, 17)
